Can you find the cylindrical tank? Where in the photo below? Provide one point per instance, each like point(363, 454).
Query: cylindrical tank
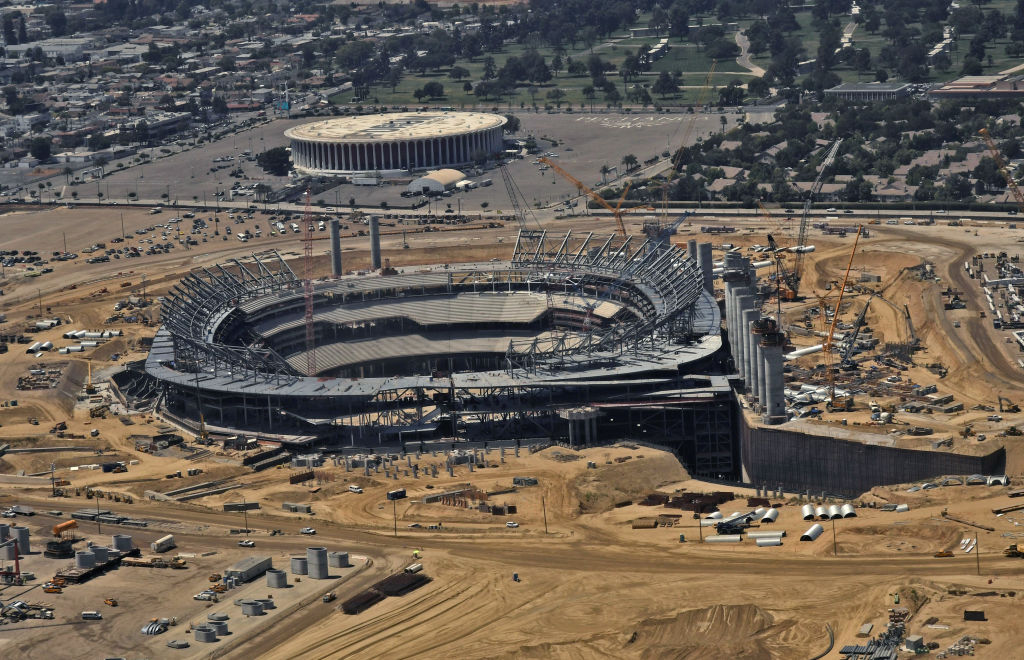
point(807, 511)
point(267, 603)
point(299, 566)
point(277, 579)
point(5, 532)
point(219, 627)
point(84, 559)
point(102, 554)
point(217, 616)
point(205, 634)
point(761, 543)
point(20, 534)
point(316, 563)
point(724, 538)
point(766, 535)
point(337, 559)
point(7, 551)
point(122, 542)
point(252, 608)
point(901, 508)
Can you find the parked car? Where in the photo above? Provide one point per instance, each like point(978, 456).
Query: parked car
point(307, 530)
point(511, 525)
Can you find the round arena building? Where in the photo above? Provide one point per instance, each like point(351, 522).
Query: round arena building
point(394, 142)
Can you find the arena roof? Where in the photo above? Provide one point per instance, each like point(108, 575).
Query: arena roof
point(395, 126)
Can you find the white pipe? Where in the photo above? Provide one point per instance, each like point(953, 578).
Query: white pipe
point(763, 264)
point(804, 351)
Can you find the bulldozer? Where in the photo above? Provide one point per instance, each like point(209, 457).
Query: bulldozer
point(110, 601)
point(1014, 551)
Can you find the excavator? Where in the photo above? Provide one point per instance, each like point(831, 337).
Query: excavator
point(1005, 405)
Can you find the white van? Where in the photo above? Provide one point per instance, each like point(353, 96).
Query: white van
point(355, 489)
point(91, 615)
point(295, 228)
point(155, 210)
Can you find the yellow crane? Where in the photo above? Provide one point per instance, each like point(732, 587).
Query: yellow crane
point(826, 347)
point(1017, 195)
point(616, 211)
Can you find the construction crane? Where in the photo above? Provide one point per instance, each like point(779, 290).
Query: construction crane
point(815, 189)
point(844, 361)
point(514, 195)
point(994, 150)
point(826, 347)
point(307, 286)
point(616, 211)
point(783, 273)
point(660, 234)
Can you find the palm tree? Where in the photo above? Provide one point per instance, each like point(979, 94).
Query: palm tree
point(604, 173)
point(630, 161)
point(724, 122)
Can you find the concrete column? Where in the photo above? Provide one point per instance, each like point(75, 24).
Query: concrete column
point(691, 249)
point(707, 266)
point(375, 242)
point(749, 348)
point(761, 385)
point(744, 303)
point(775, 403)
point(335, 248)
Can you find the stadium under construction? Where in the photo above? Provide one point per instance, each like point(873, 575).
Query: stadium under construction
point(578, 338)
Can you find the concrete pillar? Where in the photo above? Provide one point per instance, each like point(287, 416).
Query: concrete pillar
point(691, 249)
point(375, 242)
point(707, 266)
point(744, 302)
point(749, 348)
point(335, 248)
point(775, 402)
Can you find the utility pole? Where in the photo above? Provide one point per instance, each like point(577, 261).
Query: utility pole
point(65, 235)
point(98, 530)
point(39, 298)
point(977, 553)
point(544, 506)
point(394, 509)
point(835, 546)
point(53, 483)
point(122, 230)
point(245, 513)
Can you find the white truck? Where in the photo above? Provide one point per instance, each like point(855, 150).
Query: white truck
point(163, 544)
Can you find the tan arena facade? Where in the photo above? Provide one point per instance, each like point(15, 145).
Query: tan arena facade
point(394, 142)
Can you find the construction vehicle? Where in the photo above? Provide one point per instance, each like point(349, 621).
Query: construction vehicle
point(215, 577)
point(1014, 551)
point(1010, 406)
point(110, 601)
point(850, 344)
point(329, 596)
point(782, 272)
point(219, 588)
point(52, 589)
point(944, 553)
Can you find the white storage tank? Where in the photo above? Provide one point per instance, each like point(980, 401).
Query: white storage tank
point(813, 533)
point(277, 579)
point(102, 554)
point(316, 563)
point(770, 516)
point(85, 559)
point(122, 542)
point(807, 511)
point(848, 511)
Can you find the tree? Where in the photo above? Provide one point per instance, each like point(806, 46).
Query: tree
point(556, 95)
point(40, 148)
point(458, 73)
point(732, 94)
point(275, 161)
point(630, 162)
point(434, 89)
point(58, 22)
point(881, 75)
point(511, 124)
point(758, 87)
point(604, 173)
point(489, 69)
point(664, 85)
point(220, 106)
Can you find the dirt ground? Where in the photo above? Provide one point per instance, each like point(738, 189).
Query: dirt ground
point(590, 586)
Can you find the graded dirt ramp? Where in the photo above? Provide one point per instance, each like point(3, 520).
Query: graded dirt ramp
point(719, 631)
point(599, 490)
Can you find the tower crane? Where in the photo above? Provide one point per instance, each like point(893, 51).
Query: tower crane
point(815, 189)
point(616, 211)
point(785, 275)
point(514, 195)
point(994, 150)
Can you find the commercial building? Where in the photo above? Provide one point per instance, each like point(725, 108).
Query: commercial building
point(394, 142)
point(980, 87)
point(871, 91)
point(437, 181)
